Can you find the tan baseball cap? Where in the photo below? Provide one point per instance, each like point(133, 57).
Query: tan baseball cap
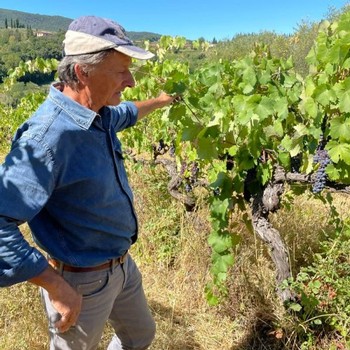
point(89, 34)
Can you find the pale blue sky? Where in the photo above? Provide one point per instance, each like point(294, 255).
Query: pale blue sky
point(190, 18)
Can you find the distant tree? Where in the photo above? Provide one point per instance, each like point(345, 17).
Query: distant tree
point(214, 41)
point(6, 24)
point(4, 37)
point(30, 32)
point(10, 59)
point(3, 70)
point(301, 43)
point(17, 36)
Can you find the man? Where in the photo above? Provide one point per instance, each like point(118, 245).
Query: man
point(65, 176)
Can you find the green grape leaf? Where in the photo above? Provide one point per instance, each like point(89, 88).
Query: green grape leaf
point(207, 148)
point(332, 172)
point(281, 107)
point(340, 129)
point(249, 76)
point(324, 95)
point(344, 102)
point(265, 108)
point(296, 147)
point(339, 151)
point(309, 106)
point(274, 130)
point(224, 182)
point(177, 111)
point(301, 130)
point(221, 264)
point(217, 119)
point(219, 208)
point(265, 171)
point(284, 158)
point(210, 296)
point(189, 133)
point(342, 91)
point(221, 242)
point(339, 172)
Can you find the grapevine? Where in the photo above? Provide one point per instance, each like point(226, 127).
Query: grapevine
point(247, 127)
point(254, 125)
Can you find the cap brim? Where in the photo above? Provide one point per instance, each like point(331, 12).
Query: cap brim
point(134, 52)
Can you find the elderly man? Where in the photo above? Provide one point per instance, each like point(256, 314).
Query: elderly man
point(65, 177)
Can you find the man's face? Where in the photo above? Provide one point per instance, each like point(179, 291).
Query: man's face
point(107, 81)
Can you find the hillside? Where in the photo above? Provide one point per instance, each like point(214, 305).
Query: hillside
point(55, 23)
point(35, 21)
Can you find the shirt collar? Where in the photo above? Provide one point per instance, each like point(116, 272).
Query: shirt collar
point(82, 115)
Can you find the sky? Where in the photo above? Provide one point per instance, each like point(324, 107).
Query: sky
point(193, 19)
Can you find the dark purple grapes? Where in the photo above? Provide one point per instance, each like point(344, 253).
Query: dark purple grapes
point(188, 187)
point(321, 157)
point(194, 172)
point(161, 145)
point(295, 163)
point(216, 191)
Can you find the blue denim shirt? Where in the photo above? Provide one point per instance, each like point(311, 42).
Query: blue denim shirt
point(65, 176)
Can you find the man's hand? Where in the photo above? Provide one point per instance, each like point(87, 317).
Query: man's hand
point(67, 302)
point(148, 106)
point(166, 99)
point(65, 299)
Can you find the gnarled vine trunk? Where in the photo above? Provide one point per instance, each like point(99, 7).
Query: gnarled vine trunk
point(261, 206)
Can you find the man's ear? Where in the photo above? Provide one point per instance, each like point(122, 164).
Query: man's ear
point(80, 73)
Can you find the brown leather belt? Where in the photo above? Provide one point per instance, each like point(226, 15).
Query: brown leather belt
point(59, 265)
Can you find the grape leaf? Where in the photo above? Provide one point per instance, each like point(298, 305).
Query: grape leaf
point(340, 129)
point(339, 151)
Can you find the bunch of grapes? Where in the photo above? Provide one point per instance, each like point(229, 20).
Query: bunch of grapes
point(321, 157)
point(191, 179)
point(216, 192)
point(295, 163)
point(161, 146)
point(194, 172)
point(229, 162)
point(188, 187)
point(183, 168)
point(251, 184)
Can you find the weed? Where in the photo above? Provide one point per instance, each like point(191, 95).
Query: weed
point(323, 291)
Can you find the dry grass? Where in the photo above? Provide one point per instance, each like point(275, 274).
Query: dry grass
point(22, 323)
point(173, 255)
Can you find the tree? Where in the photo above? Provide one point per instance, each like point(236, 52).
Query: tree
point(30, 32)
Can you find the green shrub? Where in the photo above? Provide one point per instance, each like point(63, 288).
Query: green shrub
point(11, 118)
point(323, 290)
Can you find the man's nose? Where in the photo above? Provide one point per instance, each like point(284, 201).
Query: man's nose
point(130, 81)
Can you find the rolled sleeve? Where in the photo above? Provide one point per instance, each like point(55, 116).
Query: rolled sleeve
point(19, 261)
point(124, 116)
point(25, 186)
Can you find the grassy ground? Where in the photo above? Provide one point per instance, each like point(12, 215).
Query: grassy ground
point(173, 255)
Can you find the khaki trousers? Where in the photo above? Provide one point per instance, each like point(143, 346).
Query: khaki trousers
point(115, 295)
